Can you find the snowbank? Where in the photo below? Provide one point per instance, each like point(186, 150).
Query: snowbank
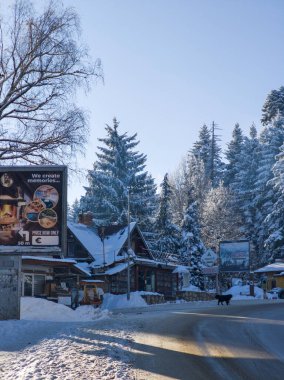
point(242, 292)
point(191, 288)
point(112, 301)
point(42, 310)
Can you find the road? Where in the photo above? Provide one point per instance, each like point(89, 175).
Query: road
point(242, 341)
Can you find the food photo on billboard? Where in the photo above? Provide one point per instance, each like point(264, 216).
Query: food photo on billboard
point(32, 204)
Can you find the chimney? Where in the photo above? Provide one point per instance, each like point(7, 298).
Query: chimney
point(86, 218)
point(80, 218)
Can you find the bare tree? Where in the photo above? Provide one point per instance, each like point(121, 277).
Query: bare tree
point(42, 64)
point(179, 185)
point(220, 220)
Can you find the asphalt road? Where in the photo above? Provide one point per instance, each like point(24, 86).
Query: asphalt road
point(242, 341)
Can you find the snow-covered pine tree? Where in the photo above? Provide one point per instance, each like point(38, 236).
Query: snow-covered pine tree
point(191, 246)
point(207, 150)
point(202, 149)
point(197, 178)
point(167, 242)
point(243, 186)
point(271, 138)
point(73, 211)
point(119, 169)
point(275, 219)
point(233, 155)
point(273, 106)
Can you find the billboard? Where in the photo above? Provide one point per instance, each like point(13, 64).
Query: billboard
point(234, 256)
point(33, 208)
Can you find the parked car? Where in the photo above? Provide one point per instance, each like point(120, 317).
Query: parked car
point(276, 293)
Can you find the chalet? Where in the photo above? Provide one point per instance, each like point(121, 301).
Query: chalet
point(107, 253)
point(272, 275)
point(49, 277)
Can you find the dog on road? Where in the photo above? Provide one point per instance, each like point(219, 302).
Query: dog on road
point(223, 298)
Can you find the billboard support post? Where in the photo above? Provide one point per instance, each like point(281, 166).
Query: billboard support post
point(251, 283)
point(218, 270)
point(251, 276)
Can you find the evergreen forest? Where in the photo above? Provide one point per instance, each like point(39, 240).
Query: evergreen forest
point(212, 196)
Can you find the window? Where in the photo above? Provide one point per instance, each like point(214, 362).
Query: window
point(71, 249)
point(33, 285)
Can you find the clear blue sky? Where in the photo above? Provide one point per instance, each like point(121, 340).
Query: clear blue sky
point(172, 65)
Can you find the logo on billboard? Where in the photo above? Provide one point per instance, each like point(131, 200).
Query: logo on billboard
point(31, 206)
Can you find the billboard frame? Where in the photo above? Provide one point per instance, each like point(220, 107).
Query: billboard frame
point(62, 249)
point(247, 267)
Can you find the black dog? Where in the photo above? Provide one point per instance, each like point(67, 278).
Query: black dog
point(223, 298)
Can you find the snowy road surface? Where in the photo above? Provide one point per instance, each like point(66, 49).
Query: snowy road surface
point(237, 342)
point(187, 341)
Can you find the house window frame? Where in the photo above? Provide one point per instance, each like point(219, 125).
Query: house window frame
point(33, 282)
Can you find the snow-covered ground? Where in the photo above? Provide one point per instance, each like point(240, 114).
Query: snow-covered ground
point(54, 342)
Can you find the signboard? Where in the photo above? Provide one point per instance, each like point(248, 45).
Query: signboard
point(32, 208)
point(209, 258)
point(234, 256)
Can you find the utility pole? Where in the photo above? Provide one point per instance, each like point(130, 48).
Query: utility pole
point(128, 246)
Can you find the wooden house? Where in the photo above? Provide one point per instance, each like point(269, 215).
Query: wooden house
point(272, 275)
point(50, 278)
point(107, 253)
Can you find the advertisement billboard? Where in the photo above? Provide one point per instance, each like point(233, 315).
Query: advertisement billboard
point(33, 208)
point(234, 256)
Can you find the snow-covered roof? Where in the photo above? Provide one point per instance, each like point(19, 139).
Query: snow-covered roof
point(51, 259)
point(116, 269)
point(181, 269)
point(275, 267)
point(84, 267)
point(154, 263)
point(280, 274)
point(103, 254)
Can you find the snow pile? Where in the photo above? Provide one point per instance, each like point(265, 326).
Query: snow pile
point(191, 288)
point(112, 301)
point(43, 310)
point(242, 292)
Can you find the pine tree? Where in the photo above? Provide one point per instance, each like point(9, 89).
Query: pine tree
point(273, 106)
point(192, 248)
point(202, 149)
point(197, 178)
point(73, 211)
point(207, 150)
point(167, 232)
point(275, 219)
point(243, 186)
point(272, 138)
point(119, 176)
point(233, 155)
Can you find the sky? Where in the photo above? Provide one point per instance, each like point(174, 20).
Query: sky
point(171, 66)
